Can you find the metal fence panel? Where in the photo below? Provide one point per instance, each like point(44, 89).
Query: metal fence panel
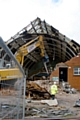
point(12, 85)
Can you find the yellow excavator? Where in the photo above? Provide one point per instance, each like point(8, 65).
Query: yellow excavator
point(10, 71)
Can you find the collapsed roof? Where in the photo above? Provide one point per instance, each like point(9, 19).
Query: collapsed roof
point(58, 47)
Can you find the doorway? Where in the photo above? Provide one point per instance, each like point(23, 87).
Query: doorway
point(63, 74)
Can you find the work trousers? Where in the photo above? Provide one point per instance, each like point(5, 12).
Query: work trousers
point(53, 97)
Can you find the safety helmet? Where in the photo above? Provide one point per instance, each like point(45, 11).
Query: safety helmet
point(54, 83)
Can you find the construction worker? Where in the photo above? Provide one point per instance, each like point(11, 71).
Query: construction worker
point(53, 90)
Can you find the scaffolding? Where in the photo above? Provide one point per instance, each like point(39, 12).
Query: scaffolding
point(12, 85)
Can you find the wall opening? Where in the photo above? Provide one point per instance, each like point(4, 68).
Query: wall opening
point(63, 74)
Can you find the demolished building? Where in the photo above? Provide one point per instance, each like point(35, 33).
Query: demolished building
point(56, 47)
point(38, 47)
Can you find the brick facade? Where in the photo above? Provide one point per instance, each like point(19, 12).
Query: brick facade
point(74, 80)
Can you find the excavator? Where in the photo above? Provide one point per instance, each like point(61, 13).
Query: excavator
point(8, 70)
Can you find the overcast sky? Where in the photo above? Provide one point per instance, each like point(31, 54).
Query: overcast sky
point(64, 15)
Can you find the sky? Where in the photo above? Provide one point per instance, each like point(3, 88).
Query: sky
point(64, 15)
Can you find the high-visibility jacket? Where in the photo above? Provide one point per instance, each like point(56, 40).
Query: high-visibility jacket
point(54, 89)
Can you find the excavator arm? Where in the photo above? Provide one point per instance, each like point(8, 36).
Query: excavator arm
point(30, 46)
point(13, 72)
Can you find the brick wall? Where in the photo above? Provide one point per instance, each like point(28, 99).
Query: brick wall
point(73, 80)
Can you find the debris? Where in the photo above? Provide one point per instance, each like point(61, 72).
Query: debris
point(46, 112)
point(34, 91)
point(77, 103)
point(73, 90)
point(43, 108)
point(4, 106)
point(50, 102)
point(67, 88)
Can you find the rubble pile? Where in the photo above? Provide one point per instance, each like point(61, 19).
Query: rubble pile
point(48, 112)
point(67, 88)
point(35, 92)
point(77, 103)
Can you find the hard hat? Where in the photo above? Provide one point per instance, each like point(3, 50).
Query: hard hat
point(54, 83)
